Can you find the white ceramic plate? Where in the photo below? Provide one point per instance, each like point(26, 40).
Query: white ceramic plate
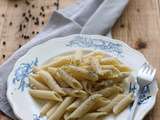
point(26, 108)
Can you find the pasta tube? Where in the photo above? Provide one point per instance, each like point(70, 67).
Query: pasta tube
point(54, 72)
point(84, 107)
point(96, 66)
point(110, 61)
point(75, 93)
point(58, 62)
point(123, 104)
point(78, 57)
point(61, 109)
point(109, 91)
point(93, 116)
point(52, 110)
point(46, 107)
point(68, 79)
point(37, 84)
point(109, 107)
point(44, 94)
point(82, 73)
point(51, 82)
point(123, 68)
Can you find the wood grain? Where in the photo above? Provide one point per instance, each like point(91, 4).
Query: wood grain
point(139, 27)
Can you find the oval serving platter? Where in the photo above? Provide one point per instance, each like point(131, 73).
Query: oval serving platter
point(26, 108)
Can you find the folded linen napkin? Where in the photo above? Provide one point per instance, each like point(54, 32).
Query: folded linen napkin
point(84, 17)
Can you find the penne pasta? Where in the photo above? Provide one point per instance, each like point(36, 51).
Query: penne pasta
point(37, 77)
point(110, 61)
point(54, 72)
point(109, 107)
point(93, 116)
point(74, 105)
point(37, 84)
point(46, 107)
point(66, 115)
point(52, 110)
point(123, 68)
point(96, 66)
point(79, 72)
point(78, 57)
point(109, 91)
point(100, 103)
point(52, 84)
point(46, 95)
point(61, 109)
point(84, 107)
point(123, 104)
point(93, 54)
point(81, 86)
point(59, 62)
point(75, 93)
point(68, 79)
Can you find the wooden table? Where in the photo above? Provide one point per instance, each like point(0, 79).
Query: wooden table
point(139, 27)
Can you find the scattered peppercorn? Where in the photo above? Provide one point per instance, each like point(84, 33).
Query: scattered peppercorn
point(20, 27)
point(37, 32)
point(10, 24)
point(42, 22)
point(20, 46)
point(3, 56)
point(3, 15)
point(30, 15)
point(42, 8)
point(40, 13)
point(33, 32)
point(4, 43)
point(24, 14)
point(15, 5)
point(27, 2)
point(27, 19)
point(43, 15)
point(24, 26)
point(29, 11)
point(33, 6)
point(33, 18)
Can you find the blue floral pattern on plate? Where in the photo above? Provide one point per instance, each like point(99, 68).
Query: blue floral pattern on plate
point(22, 72)
point(86, 42)
point(37, 117)
point(144, 92)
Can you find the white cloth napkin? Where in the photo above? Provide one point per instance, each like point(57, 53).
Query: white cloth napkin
point(84, 17)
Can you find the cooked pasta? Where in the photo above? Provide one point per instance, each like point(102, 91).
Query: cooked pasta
point(46, 107)
point(37, 84)
point(46, 95)
point(82, 73)
point(123, 104)
point(81, 86)
point(96, 66)
point(61, 109)
point(84, 107)
point(75, 93)
point(52, 84)
point(93, 116)
point(68, 79)
point(109, 107)
point(52, 110)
